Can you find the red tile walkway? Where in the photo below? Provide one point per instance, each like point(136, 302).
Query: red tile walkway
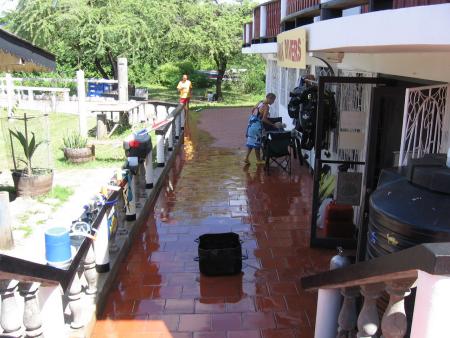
point(159, 291)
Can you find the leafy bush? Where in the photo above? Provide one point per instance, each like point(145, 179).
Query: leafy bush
point(253, 82)
point(169, 74)
point(74, 140)
point(201, 80)
point(251, 73)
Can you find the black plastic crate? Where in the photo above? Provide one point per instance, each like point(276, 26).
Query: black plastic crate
point(220, 254)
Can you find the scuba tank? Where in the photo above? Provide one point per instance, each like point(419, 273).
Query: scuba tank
point(339, 261)
point(329, 302)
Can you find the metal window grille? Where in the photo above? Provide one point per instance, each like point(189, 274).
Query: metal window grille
point(426, 122)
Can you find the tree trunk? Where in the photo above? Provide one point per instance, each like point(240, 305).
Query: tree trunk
point(113, 64)
point(221, 63)
point(101, 70)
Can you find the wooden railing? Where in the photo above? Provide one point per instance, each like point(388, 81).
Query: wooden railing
point(302, 12)
point(273, 19)
point(425, 267)
point(294, 6)
point(72, 295)
point(413, 3)
point(256, 22)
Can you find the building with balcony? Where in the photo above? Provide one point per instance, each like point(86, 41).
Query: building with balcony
point(387, 60)
point(394, 38)
point(377, 75)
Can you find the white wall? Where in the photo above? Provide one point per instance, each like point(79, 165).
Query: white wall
point(423, 28)
point(429, 66)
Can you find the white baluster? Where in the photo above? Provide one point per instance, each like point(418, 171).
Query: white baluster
point(160, 149)
point(170, 137)
point(394, 322)
point(31, 311)
point(10, 318)
point(76, 303)
point(141, 113)
point(178, 127)
point(368, 321)
point(348, 317)
point(90, 273)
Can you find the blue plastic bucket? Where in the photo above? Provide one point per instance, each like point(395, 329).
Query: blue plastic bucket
point(57, 247)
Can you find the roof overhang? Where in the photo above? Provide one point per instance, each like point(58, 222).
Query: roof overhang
point(17, 54)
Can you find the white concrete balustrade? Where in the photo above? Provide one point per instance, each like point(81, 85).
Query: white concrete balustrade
point(28, 309)
point(388, 280)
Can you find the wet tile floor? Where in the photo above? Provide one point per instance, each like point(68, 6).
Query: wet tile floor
point(159, 291)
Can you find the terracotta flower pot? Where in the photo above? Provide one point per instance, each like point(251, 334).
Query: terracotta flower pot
point(78, 155)
point(39, 183)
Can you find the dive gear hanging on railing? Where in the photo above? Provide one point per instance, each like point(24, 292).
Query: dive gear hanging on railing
point(294, 103)
point(303, 106)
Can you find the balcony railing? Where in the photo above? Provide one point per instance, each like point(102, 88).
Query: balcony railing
point(424, 267)
point(273, 19)
point(302, 12)
point(294, 6)
point(413, 3)
point(256, 23)
point(39, 300)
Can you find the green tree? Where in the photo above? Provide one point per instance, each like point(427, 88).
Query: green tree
point(209, 29)
point(91, 34)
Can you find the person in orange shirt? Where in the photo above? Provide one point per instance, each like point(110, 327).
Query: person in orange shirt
point(185, 89)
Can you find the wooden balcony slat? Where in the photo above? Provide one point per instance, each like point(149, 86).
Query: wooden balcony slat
point(257, 16)
point(310, 12)
point(343, 4)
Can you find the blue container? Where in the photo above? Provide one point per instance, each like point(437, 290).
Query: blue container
point(57, 247)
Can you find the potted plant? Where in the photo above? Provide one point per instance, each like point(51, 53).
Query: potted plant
point(29, 181)
point(76, 149)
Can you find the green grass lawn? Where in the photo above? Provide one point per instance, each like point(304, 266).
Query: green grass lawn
point(232, 97)
point(108, 153)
